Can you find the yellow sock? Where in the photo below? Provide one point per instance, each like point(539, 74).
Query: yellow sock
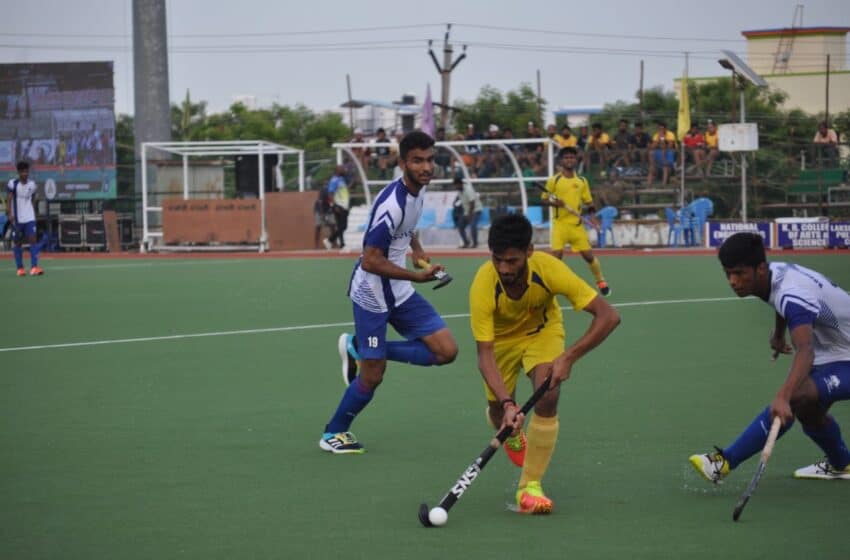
point(596, 269)
point(542, 435)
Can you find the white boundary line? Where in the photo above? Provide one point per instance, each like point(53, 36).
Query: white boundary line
point(301, 328)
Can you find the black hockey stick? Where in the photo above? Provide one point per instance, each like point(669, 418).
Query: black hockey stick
point(473, 470)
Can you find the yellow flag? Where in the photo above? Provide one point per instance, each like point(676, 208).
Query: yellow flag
point(684, 109)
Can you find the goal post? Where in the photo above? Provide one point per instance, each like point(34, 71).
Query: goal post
point(194, 183)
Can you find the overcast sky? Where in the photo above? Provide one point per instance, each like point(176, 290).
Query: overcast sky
point(288, 52)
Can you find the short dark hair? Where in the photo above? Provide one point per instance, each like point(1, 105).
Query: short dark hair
point(596, 126)
point(380, 130)
point(567, 150)
point(23, 166)
point(742, 249)
point(661, 123)
point(414, 140)
point(511, 231)
point(639, 123)
point(624, 121)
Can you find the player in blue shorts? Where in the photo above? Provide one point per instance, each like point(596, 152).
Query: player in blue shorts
point(382, 293)
point(20, 212)
point(817, 314)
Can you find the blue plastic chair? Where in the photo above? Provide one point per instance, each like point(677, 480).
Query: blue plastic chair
point(675, 230)
point(689, 226)
point(484, 221)
point(606, 223)
point(449, 221)
point(427, 219)
point(534, 215)
point(700, 209)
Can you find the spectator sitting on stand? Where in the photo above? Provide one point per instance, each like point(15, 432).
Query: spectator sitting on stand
point(568, 139)
point(382, 152)
point(711, 145)
point(826, 144)
point(641, 141)
point(663, 154)
point(694, 143)
point(622, 144)
point(596, 148)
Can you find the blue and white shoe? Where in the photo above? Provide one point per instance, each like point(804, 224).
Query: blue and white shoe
point(349, 356)
point(341, 443)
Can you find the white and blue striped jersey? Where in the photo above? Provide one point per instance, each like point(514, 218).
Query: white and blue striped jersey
point(392, 223)
point(22, 200)
point(804, 296)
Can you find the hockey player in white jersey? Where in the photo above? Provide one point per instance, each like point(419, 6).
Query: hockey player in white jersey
point(816, 313)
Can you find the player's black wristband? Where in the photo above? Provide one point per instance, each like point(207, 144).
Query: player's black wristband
point(505, 401)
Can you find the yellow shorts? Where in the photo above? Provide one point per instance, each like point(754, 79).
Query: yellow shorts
point(525, 353)
point(567, 234)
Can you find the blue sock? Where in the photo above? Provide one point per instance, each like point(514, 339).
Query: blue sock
point(411, 352)
point(752, 439)
point(829, 439)
point(19, 256)
point(34, 249)
point(355, 399)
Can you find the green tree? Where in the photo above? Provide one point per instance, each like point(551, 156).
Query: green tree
point(188, 119)
point(511, 110)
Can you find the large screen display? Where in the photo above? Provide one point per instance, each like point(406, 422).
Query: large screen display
point(60, 117)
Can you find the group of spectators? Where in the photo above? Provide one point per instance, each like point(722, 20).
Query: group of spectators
point(75, 148)
point(631, 150)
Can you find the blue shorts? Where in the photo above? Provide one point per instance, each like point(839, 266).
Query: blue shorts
point(23, 231)
point(413, 319)
point(669, 156)
point(833, 382)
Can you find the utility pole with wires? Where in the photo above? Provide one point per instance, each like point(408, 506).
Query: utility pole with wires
point(445, 71)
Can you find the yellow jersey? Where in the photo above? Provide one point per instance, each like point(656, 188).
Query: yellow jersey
point(495, 316)
point(602, 140)
point(574, 191)
point(710, 139)
point(669, 137)
point(570, 142)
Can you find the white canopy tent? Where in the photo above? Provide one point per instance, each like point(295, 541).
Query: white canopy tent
point(260, 148)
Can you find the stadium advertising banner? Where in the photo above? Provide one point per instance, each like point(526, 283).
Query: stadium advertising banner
point(719, 231)
point(805, 234)
point(60, 118)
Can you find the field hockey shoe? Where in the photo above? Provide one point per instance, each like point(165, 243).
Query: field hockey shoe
point(21, 272)
point(341, 443)
point(515, 448)
point(36, 271)
point(822, 470)
point(531, 499)
point(348, 356)
point(604, 289)
point(712, 466)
